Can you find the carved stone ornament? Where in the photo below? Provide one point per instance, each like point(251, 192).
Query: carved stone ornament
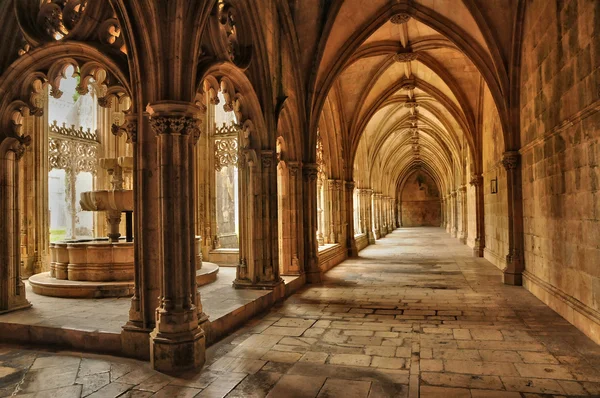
point(129, 128)
point(226, 152)
point(399, 19)
point(510, 160)
point(350, 185)
point(185, 125)
point(411, 104)
point(406, 56)
point(310, 171)
point(267, 159)
point(476, 180)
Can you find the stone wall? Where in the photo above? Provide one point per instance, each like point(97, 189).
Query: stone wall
point(420, 201)
point(560, 134)
point(495, 205)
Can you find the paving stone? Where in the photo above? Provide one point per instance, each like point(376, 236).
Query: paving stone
point(481, 368)
point(446, 392)
point(349, 359)
point(296, 386)
point(340, 388)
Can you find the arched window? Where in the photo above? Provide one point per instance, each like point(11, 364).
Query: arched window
point(72, 146)
point(226, 177)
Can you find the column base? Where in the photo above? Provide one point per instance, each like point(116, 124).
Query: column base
point(353, 250)
point(478, 251)
point(371, 238)
point(463, 239)
point(512, 279)
point(376, 234)
point(176, 352)
point(314, 277)
point(16, 307)
point(134, 342)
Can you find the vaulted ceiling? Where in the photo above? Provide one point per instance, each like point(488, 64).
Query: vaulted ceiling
point(409, 95)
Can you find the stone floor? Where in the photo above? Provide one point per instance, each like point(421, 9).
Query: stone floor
point(110, 314)
point(414, 315)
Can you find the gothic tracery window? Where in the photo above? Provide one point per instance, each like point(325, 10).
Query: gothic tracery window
point(72, 149)
point(226, 177)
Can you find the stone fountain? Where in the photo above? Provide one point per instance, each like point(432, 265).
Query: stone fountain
point(103, 267)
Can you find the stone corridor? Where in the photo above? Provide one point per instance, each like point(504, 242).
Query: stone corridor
point(414, 315)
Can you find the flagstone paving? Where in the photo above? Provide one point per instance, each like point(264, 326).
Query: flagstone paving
point(414, 315)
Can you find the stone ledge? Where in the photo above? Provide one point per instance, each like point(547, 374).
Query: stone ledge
point(207, 274)
point(580, 315)
point(45, 285)
point(331, 256)
point(494, 258)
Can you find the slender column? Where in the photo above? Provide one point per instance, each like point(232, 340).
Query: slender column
point(463, 214)
point(295, 187)
point(443, 212)
point(477, 182)
point(177, 342)
point(332, 203)
point(368, 200)
point(350, 241)
point(12, 289)
point(309, 196)
point(514, 260)
point(453, 204)
point(320, 213)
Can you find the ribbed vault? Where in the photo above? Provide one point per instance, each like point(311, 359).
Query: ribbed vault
point(408, 98)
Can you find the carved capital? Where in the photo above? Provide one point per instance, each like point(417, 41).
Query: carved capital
point(510, 160)
point(400, 18)
point(128, 128)
point(267, 159)
point(350, 185)
point(310, 171)
point(293, 167)
point(476, 180)
point(183, 125)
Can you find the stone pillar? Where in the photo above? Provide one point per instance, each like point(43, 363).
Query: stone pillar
point(454, 231)
point(366, 195)
point(259, 263)
point(295, 189)
point(320, 213)
point(309, 194)
point(350, 241)
point(375, 217)
point(514, 260)
point(477, 182)
point(12, 289)
point(177, 341)
point(463, 214)
point(442, 212)
point(332, 204)
point(34, 196)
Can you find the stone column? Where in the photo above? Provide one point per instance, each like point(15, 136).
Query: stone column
point(34, 196)
point(463, 214)
point(177, 341)
point(369, 216)
point(332, 204)
point(350, 241)
point(514, 260)
point(442, 213)
point(454, 231)
point(320, 213)
point(309, 195)
point(477, 182)
point(374, 215)
point(295, 189)
point(12, 289)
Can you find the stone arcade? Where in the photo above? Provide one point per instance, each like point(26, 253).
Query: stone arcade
point(178, 180)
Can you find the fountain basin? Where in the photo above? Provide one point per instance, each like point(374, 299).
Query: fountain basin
point(92, 260)
point(107, 200)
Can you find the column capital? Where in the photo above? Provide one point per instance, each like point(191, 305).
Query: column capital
point(172, 117)
point(350, 185)
point(462, 188)
point(310, 171)
point(129, 128)
point(510, 160)
point(476, 180)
